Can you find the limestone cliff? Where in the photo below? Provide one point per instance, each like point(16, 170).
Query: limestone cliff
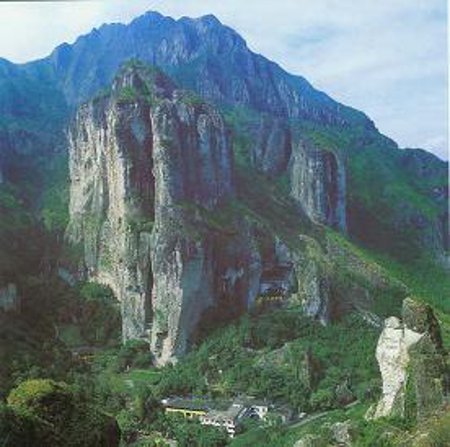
point(273, 148)
point(149, 164)
point(316, 177)
point(192, 159)
point(318, 183)
point(412, 364)
point(111, 199)
point(154, 210)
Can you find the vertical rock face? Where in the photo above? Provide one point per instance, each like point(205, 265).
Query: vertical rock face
point(433, 228)
point(317, 177)
point(111, 201)
point(192, 158)
point(318, 183)
point(313, 281)
point(411, 361)
point(273, 148)
point(146, 163)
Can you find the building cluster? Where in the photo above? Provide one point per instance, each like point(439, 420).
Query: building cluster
point(226, 415)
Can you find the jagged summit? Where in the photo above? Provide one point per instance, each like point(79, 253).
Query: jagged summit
point(200, 54)
point(141, 80)
point(206, 57)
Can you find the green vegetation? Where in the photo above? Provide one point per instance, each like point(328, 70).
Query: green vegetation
point(127, 94)
point(135, 354)
point(191, 98)
point(99, 315)
point(50, 413)
point(72, 333)
point(53, 318)
point(264, 356)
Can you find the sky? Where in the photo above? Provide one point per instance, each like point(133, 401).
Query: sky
point(388, 58)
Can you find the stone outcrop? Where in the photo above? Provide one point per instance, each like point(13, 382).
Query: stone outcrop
point(192, 160)
point(342, 433)
point(412, 364)
point(309, 441)
point(312, 280)
point(149, 166)
point(318, 184)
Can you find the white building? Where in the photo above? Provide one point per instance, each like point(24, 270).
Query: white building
point(228, 419)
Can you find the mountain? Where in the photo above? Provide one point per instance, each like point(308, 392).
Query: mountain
point(200, 54)
point(180, 216)
point(328, 158)
point(213, 60)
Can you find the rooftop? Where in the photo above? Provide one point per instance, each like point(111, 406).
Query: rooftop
point(187, 403)
point(231, 413)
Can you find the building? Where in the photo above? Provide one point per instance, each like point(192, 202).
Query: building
point(188, 408)
point(228, 419)
point(257, 410)
point(226, 415)
point(254, 408)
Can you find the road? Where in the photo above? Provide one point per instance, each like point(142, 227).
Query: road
point(315, 416)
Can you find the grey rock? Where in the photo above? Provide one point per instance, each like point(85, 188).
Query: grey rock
point(318, 184)
point(273, 147)
point(147, 169)
point(313, 281)
point(412, 367)
point(309, 441)
point(341, 433)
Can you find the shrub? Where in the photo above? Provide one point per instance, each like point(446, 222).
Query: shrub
point(49, 400)
point(58, 418)
point(134, 354)
point(100, 314)
point(16, 430)
point(323, 399)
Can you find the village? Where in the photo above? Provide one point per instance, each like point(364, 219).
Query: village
point(229, 415)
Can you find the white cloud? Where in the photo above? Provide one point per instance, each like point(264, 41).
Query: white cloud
point(386, 57)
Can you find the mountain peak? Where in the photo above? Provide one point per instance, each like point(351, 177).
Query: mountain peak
point(142, 79)
point(199, 54)
point(210, 19)
point(151, 15)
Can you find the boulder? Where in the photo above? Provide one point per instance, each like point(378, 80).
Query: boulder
point(341, 433)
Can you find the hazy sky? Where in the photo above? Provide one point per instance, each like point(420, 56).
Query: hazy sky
point(385, 57)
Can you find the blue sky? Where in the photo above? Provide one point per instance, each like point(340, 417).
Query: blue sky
point(388, 58)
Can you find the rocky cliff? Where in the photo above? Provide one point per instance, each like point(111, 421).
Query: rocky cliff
point(151, 206)
point(412, 364)
point(149, 164)
point(210, 58)
point(318, 184)
point(111, 199)
point(273, 148)
point(316, 177)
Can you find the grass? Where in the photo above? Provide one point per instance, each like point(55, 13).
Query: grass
point(142, 376)
point(425, 279)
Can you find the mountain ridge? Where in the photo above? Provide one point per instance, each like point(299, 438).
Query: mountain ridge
point(60, 50)
point(203, 214)
point(213, 60)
